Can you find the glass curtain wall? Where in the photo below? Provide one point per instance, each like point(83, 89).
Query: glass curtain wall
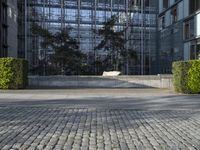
point(3, 29)
point(85, 16)
point(21, 28)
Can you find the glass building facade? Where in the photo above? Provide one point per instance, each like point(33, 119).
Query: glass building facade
point(22, 28)
point(3, 28)
point(8, 28)
point(178, 31)
point(85, 16)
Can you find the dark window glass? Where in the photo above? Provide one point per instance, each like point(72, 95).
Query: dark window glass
point(187, 30)
point(192, 52)
point(194, 5)
point(174, 15)
point(165, 4)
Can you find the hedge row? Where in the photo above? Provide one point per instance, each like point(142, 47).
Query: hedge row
point(186, 76)
point(13, 73)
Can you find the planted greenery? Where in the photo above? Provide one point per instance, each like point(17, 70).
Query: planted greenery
point(194, 77)
point(13, 73)
point(113, 42)
point(66, 57)
point(186, 76)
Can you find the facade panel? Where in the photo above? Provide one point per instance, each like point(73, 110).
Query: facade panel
point(12, 28)
point(198, 25)
point(185, 9)
point(180, 11)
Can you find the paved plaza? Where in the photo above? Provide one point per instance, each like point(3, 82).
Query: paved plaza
point(98, 119)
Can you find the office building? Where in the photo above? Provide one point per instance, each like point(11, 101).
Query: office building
point(179, 32)
point(84, 16)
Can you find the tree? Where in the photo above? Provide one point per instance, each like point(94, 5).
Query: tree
point(113, 43)
point(67, 55)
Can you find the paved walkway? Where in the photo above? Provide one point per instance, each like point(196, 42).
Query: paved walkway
point(111, 119)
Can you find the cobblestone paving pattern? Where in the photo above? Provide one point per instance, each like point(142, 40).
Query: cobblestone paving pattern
point(27, 127)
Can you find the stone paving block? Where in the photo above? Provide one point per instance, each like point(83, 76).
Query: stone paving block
point(65, 127)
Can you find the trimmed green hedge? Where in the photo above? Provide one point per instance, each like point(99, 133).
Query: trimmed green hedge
point(13, 73)
point(194, 77)
point(186, 76)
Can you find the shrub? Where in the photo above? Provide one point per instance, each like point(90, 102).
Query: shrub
point(186, 76)
point(180, 76)
point(194, 77)
point(13, 73)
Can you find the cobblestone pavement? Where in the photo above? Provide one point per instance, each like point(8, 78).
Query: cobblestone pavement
point(101, 123)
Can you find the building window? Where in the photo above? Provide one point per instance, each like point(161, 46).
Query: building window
point(136, 3)
point(10, 12)
point(189, 29)
point(147, 3)
point(162, 22)
point(198, 51)
point(174, 15)
point(165, 4)
point(195, 50)
point(192, 52)
point(194, 5)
